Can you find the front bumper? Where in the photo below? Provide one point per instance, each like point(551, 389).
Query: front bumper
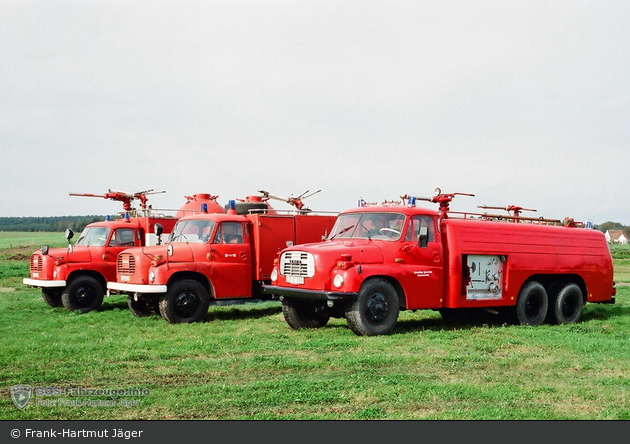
point(135, 288)
point(317, 295)
point(42, 283)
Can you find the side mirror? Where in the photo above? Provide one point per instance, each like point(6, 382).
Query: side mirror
point(69, 233)
point(159, 229)
point(423, 237)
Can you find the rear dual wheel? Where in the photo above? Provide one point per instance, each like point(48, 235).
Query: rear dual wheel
point(144, 306)
point(532, 304)
point(304, 314)
point(52, 297)
point(568, 304)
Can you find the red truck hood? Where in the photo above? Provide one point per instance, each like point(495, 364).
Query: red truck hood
point(362, 251)
point(79, 254)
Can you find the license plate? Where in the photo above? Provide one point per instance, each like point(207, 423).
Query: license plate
point(298, 280)
point(35, 275)
point(124, 278)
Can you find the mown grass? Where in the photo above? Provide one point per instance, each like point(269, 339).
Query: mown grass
point(244, 362)
point(19, 245)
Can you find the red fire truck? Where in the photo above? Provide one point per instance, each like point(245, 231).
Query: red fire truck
point(76, 277)
point(382, 259)
point(212, 257)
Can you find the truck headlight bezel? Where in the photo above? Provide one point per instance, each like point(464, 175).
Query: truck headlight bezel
point(338, 281)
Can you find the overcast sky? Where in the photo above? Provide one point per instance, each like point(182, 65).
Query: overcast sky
point(518, 102)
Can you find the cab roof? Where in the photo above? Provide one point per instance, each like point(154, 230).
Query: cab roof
point(408, 210)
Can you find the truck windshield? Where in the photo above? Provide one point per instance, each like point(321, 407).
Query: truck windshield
point(192, 231)
point(381, 226)
point(94, 236)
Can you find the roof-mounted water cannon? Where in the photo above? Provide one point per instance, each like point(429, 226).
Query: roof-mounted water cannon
point(516, 210)
point(297, 202)
point(443, 199)
point(125, 198)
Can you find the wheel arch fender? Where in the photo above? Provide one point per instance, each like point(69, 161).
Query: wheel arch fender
point(89, 273)
point(193, 276)
point(400, 292)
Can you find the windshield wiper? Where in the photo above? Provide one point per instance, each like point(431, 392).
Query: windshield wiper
point(367, 232)
point(342, 231)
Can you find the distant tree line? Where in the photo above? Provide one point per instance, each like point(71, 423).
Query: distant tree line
point(613, 226)
point(49, 223)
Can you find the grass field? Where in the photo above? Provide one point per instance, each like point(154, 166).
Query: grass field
point(244, 362)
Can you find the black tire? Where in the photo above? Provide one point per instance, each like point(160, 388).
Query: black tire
point(245, 207)
point(144, 306)
point(83, 294)
point(375, 312)
point(185, 302)
point(52, 296)
point(568, 305)
point(532, 304)
point(301, 314)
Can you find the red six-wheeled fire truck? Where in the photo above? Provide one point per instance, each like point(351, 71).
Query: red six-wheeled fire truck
point(213, 257)
point(76, 277)
point(380, 260)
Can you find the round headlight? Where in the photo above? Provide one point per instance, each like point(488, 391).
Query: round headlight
point(274, 275)
point(151, 276)
point(338, 281)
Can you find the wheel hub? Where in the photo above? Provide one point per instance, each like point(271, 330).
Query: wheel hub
point(377, 307)
point(186, 303)
point(84, 296)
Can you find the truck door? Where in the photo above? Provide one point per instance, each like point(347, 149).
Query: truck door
point(423, 263)
point(120, 239)
point(232, 262)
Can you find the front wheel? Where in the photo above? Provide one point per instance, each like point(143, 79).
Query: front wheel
point(300, 314)
point(83, 294)
point(186, 301)
point(532, 304)
point(144, 306)
point(52, 296)
point(568, 305)
point(375, 312)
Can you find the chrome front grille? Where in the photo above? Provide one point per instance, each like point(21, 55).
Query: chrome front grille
point(297, 263)
point(126, 264)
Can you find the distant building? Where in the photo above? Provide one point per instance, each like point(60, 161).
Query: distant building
point(616, 237)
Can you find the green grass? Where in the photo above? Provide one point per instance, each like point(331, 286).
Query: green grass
point(622, 270)
point(244, 362)
point(15, 239)
point(19, 245)
point(619, 251)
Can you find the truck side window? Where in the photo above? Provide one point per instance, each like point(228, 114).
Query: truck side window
point(124, 237)
point(229, 233)
point(414, 229)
